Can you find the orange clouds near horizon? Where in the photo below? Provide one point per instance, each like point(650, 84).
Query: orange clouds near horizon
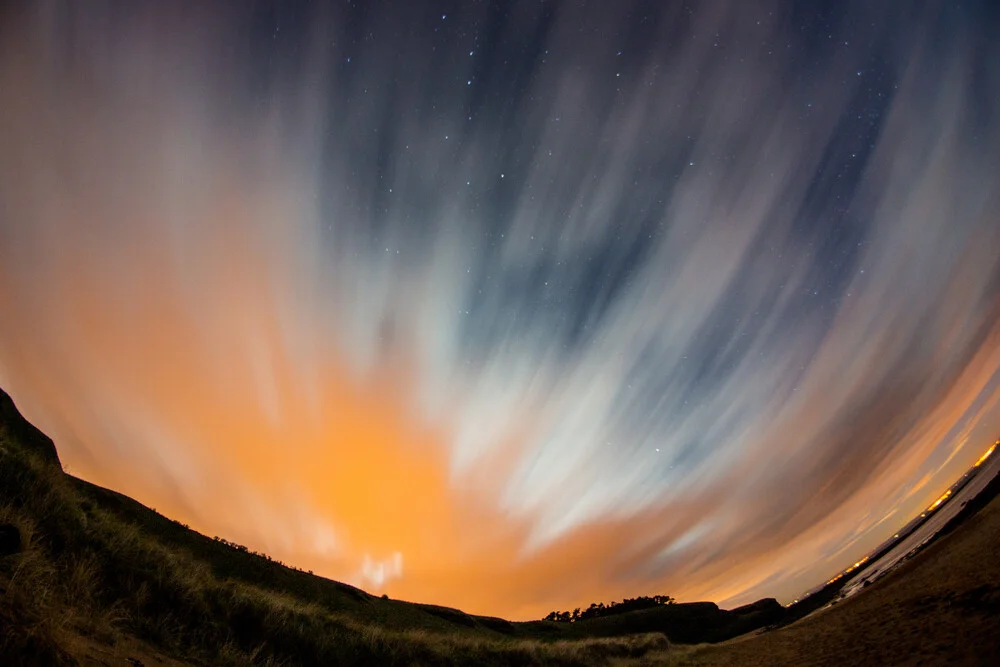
point(558, 342)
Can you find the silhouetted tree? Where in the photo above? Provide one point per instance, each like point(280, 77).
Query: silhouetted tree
point(598, 609)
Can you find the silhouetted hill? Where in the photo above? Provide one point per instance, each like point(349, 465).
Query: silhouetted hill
point(15, 427)
point(111, 569)
point(684, 623)
point(764, 606)
point(88, 575)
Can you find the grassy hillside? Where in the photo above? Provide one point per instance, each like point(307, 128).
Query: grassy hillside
point(79, 561)
point(82, 563)
point(89, 576)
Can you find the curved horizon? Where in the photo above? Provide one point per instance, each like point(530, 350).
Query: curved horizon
point(510, 308)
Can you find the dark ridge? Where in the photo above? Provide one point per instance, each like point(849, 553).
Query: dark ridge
point(136, 575)
point(766, 605)
point(686, 622)
point(15, 426)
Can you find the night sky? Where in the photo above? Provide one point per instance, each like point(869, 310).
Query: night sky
point(510, 306)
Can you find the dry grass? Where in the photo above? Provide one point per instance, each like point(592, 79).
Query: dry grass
point(940, 608)
point(83, 571)
point(99, 577)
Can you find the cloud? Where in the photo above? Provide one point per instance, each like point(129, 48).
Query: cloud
point(595, 324)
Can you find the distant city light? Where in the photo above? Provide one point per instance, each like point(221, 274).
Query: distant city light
point(986, 455)
point(940, 500)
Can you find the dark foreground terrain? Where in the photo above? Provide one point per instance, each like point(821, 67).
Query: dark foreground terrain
point(942, 607)
point(88, 576)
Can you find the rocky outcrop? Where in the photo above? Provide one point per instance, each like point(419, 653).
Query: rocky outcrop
point(16, 427)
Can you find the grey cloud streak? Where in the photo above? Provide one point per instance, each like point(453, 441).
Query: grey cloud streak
point(712, 298)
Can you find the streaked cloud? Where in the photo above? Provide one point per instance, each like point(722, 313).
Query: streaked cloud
point(547, 324)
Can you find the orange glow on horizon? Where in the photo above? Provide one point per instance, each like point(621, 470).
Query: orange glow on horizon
point(936, 503)
point(986, 455)
point(213, 304)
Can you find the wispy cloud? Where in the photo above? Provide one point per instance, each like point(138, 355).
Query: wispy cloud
point(670, 314)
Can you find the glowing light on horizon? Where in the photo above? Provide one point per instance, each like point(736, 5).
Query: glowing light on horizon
point(986, 455)
point(688, 319)
point(937, 503)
